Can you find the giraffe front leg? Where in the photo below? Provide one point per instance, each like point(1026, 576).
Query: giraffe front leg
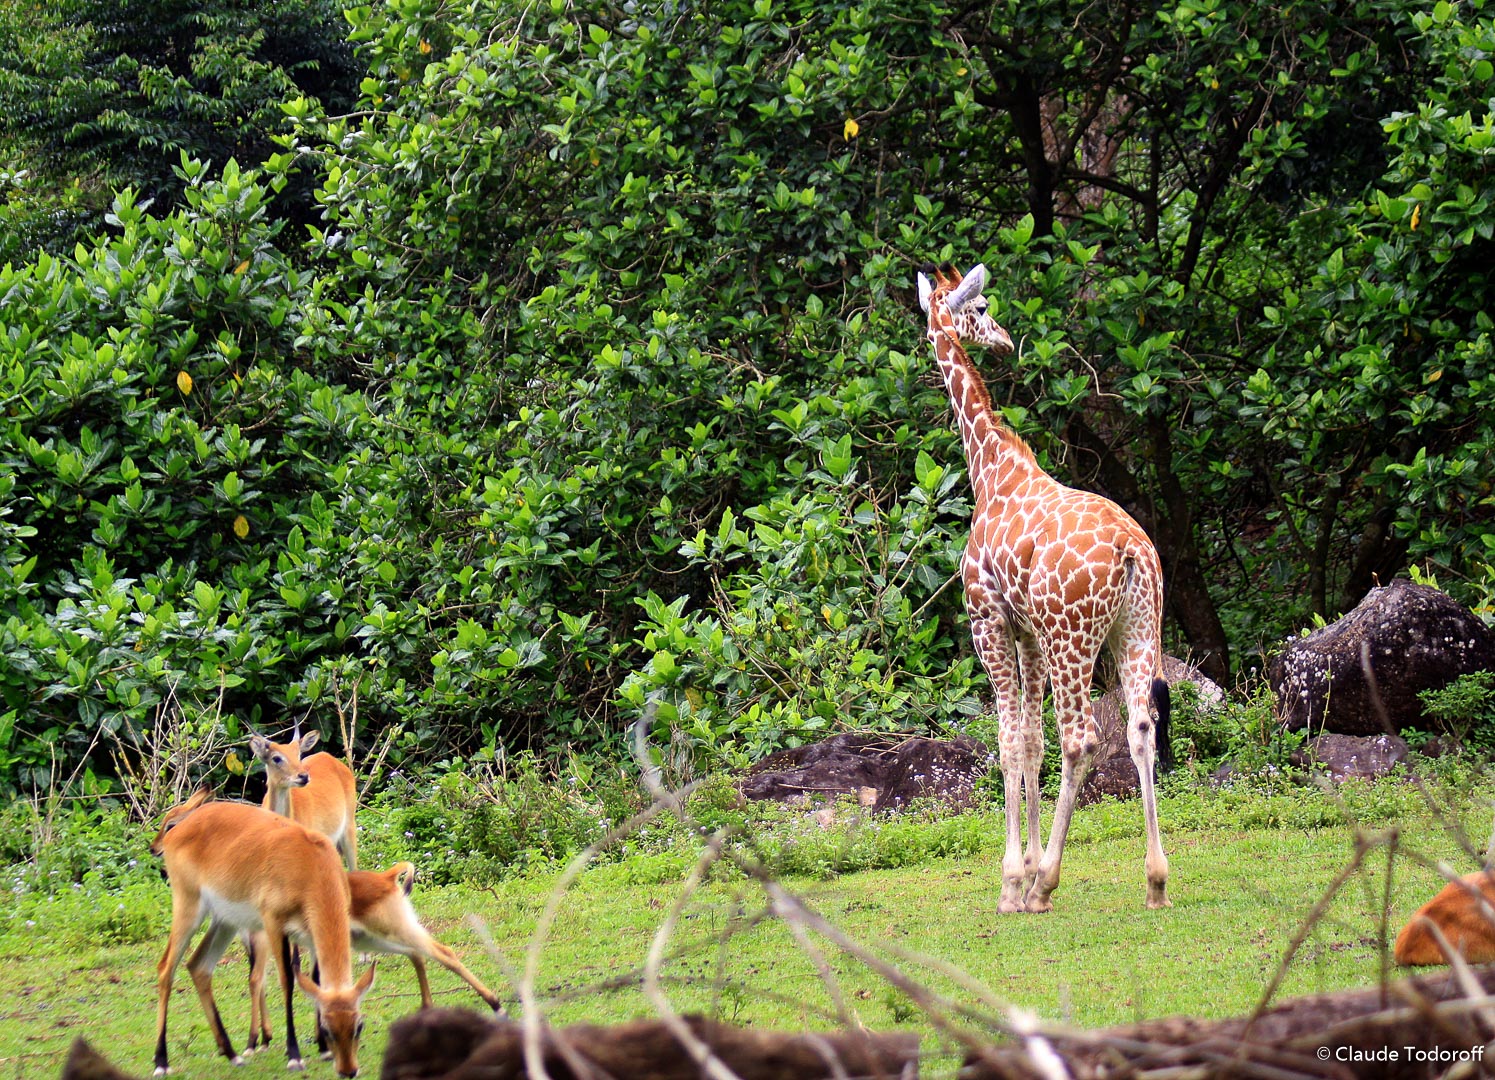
point(994, 645)
point(1015, 875)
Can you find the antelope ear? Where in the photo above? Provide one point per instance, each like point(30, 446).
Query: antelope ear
point(970, 287)
point(363, 985)
point(309, 740)
point(309, 988)
point(926, 288)
point(259, 746)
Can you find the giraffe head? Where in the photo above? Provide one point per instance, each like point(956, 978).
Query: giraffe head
point(949, 297)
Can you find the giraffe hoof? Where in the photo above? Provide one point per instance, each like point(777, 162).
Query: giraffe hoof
point(1156, 903)
point(1038, 905)
point(1009, 907)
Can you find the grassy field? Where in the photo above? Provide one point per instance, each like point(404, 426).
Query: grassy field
point(1240, 895)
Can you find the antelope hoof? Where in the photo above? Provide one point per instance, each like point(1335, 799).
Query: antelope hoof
point(237, 1060)
point(162, 1070)
point(1157, 901)
point(296, 1065)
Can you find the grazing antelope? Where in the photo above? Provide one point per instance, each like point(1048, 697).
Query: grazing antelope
point(251, 870)
point(1464, 912)
point(318, 792)
point(382, 919)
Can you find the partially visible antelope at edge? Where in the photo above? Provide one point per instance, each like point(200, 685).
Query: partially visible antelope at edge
point(1460, 919)
point(252, 871)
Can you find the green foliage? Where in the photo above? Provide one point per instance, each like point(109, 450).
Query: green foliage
point(598, 381)
point(475, 821)
point(1465, 710)
point(95, 95)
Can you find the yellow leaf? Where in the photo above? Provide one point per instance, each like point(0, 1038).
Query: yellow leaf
point(1416, 216)
point(184, 382)
point(851, 130)
point(1433, 377)
point(425, 47)
point(960, 71)
point(232, 763)
point(241, 526)
point(242, 267)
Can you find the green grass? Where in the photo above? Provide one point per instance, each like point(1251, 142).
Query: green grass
point(1240, 895)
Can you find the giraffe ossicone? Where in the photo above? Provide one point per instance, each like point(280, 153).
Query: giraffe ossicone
point(1052, 575)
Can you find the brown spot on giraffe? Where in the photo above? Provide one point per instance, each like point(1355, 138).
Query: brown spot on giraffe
point(1052, 575)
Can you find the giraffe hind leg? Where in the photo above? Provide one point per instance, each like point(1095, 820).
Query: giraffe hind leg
point(1141, 735)
point(1078, 741)
point(1034, 674)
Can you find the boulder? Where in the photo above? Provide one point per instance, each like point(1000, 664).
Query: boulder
point(883, 771)
point(1113, 772)
point(1414, 637)
point(1352, 757)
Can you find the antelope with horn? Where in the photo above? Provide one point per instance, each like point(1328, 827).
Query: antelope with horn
point(250, 871)
point(318, 791)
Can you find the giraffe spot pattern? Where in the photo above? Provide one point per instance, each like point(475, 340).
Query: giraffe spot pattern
point(1052, 576)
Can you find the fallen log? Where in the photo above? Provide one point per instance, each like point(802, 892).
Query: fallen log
point(1410, 1029)
point(457, 1044)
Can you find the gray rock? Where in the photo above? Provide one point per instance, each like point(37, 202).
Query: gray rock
point(885, 771)
point(1416, 638)
point(1349, 757)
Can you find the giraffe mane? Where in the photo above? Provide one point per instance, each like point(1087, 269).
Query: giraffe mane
point(948, 276)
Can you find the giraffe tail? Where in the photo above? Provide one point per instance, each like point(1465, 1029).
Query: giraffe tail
point(1164, 703)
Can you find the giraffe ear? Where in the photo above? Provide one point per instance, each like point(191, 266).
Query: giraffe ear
point(925, 290)
point(970, 287)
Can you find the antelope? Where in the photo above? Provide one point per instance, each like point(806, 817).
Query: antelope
point(251, 871)
point(318, 792)
point(382, 919)
point(1463, 913)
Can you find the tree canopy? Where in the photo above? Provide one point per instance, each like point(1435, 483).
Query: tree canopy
point(590, 368)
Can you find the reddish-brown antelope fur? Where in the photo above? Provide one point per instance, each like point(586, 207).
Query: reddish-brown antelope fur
point(250, 870)
point(382, 919)
point(1464, 912)
point(318, 792)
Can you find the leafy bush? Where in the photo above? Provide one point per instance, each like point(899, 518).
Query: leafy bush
point(482, 821)
point(1465, 710)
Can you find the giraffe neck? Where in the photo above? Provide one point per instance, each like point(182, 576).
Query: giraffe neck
point(996, 456)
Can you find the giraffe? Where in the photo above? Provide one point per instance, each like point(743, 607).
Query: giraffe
point(1052, 575)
